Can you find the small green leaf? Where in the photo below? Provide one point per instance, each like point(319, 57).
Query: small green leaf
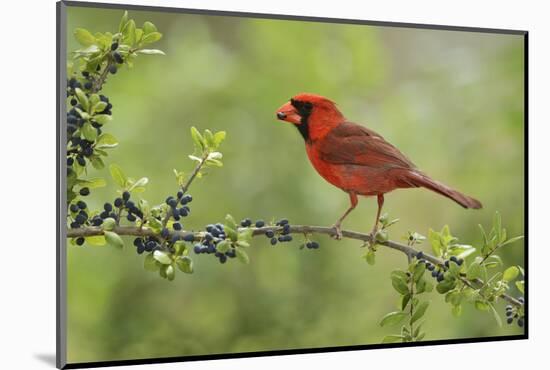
point(419, 312)
point(162, 257)
point(151, 37)
point(242, 256)
point(94, 183)
point(99, 106)
point(223, 246)
point(102, 118)
point(231, 222)
point(474, 270)
point(170, 272)
point(96, 241)
point(482, 306)
point(118, 175)
point(435, 242)
point(419, 269)
point(512, 240)
point(219, 137)
point(89, 132)
point(108, 224)
point(150, 263)
point(106, 141)
point(139, 183)
point(114, 239)
point(445, 286)
point(496, 315)
point(148, 27)
point(405, 300)
point(151, 52)
point(399, 285)
point(129, 33)
point(82, 99)
point(510, 273)
point(185, 264)
point(97, 162)
point(123, 21)
point(197, 138)
point(84, 37)
point(371, 257)
point(393, 318)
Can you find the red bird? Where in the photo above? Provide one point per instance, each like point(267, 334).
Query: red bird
point(354, 158)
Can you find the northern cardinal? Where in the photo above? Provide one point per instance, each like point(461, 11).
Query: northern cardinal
point(354, 158)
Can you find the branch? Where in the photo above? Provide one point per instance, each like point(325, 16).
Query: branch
point(295, 229)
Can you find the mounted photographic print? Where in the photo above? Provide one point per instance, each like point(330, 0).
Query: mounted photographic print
point(234, 184)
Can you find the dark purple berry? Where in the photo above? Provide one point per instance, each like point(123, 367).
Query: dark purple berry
point(114, 46)
point(273, 241)
point(80, 241)
point(260, 223)
point(81, 204)
point(177, 226)
point(126, 196)
point(118, 202)
point(84, 191)
point(112, 69)
point(74, 208)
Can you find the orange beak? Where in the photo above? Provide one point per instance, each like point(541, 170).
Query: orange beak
point(288, 113)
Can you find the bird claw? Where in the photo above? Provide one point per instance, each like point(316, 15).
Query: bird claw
point(337, 232)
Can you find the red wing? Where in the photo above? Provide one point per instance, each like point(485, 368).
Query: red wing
point(353, 144)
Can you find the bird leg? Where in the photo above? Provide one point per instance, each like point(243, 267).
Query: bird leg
point(338, 224)
point(380, 205)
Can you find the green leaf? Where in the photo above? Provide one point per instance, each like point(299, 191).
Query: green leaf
point(435, 242)
point(123, 21)
point(482, 306)
point(148, 27)
point(419, 269)
point(419, 312)
point(97, 162)
point(219, 137)
point(118, 175)
point(139, 183)
point(460, 250)
point(170, 272)
point(129, 33)
point(106, 141)
point(197, 138)
point(162, 257)
point(392, 338)
point(114, 239)
point(94, 183)
point(445, 286)
point(474, 270)
point(242, 256)
point(405, 300)
point(246, 235)
point(371, 257)
point(512, 240)
point(150, 263)
point(82, 99)
point(108, 224)
point(393, 318)
point(99, 107)
point(151, 37)
point(185, 264)
point(89, 132)
point(151, 52)
point(399, 285)
point(84, 37)
point(102, 118)
point(223, 246)
point(96, 241)
point(510, 273)
point(230, 221)
point(521, 286)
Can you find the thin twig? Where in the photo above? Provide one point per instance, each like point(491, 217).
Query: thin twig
point(294, 229)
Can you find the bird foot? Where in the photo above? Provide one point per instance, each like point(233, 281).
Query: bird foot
point(337, 232)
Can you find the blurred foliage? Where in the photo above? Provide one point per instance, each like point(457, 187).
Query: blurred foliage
point(461, 93)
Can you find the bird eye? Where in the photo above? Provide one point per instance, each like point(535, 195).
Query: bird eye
point(308, 106)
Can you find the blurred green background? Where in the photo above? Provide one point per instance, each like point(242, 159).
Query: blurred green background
point(451, 101)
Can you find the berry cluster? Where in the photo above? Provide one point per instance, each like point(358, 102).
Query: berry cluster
point(214, 234)
point(148, 244)
point(512, 313)
point(284, 234)
point(116, 58)
point(176, 213)
point(438, 271)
